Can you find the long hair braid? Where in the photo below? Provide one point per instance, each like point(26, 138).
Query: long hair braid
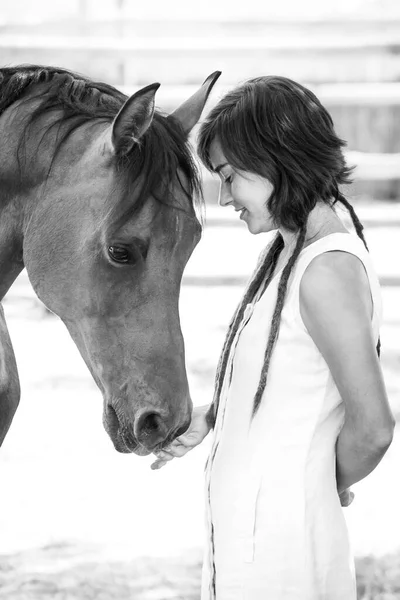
point(276, 318)
point(264, 269)
point(358, 226)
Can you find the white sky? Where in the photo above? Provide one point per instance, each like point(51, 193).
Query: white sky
point(26, 10)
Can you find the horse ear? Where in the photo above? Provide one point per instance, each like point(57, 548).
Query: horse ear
point(189, 113)
point(133, 119)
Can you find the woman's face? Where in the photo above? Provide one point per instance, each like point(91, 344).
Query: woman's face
point(245, 192)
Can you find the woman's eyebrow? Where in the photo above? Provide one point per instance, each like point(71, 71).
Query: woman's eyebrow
point(219, 167)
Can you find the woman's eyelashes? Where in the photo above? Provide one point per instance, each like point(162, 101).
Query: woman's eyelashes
point(227, 179)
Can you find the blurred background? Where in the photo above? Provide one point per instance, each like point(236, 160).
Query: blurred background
point(78, 520)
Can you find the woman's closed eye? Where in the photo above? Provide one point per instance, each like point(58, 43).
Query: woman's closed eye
point(227, 180)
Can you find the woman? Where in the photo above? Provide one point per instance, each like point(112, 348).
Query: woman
point(300, 411)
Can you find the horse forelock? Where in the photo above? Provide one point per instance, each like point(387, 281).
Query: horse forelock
point(164, 165)
point(156, 160)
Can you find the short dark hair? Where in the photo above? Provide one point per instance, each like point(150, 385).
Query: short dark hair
point(279, 130)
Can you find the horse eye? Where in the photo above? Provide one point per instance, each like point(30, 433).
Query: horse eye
point(120, 254)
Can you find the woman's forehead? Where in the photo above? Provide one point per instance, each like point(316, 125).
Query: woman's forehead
point(217, 156)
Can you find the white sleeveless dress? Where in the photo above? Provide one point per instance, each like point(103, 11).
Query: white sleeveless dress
point(276, 527)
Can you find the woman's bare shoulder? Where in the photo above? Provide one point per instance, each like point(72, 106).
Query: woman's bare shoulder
point(335, 280)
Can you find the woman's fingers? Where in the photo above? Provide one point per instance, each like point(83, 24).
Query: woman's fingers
point(158, 464)
point(179, 451)
point(162, 459)
point(179, 442)
point(175, 450)
point(183, 440)
point(346, 497)
point(178, 447)
point(164, 455)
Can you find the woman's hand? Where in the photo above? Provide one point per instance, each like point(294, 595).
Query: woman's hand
point(196, 433)
point(346, 497)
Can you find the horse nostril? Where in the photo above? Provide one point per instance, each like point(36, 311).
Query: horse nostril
point(150, 429)
point(149, 424)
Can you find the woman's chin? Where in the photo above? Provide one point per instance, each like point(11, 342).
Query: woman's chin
point(250, 225)
point(254, 228)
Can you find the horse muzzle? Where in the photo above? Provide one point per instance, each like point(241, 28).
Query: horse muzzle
point(149, 431)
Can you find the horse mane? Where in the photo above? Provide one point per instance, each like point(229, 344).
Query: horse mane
point(66, 90)
point(163, 151)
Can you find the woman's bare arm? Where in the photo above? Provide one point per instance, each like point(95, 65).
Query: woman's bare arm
point(336, 308)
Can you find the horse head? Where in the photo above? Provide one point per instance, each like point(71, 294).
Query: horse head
point(106, 237)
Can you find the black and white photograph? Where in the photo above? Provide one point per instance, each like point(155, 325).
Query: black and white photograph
point(199, 300)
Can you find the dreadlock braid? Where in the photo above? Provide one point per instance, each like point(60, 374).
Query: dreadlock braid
point(265, 268)
point(276, 318)
point(358, 226)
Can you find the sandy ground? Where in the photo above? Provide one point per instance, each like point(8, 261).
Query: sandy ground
point(63, 486)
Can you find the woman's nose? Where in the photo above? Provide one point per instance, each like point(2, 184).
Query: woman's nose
point(224, 197)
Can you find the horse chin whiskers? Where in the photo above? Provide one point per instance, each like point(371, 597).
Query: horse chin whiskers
point(121, 432)
point(118, 431)
point(120, 445)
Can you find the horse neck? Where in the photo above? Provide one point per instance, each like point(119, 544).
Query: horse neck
point(14, 190)
point(19, 182)
point(11, 262)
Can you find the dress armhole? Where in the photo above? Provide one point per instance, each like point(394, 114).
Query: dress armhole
point(294, 294)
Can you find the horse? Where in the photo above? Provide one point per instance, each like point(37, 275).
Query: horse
point(98, 201)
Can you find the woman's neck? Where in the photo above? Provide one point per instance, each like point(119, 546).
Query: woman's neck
point(321, 221)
